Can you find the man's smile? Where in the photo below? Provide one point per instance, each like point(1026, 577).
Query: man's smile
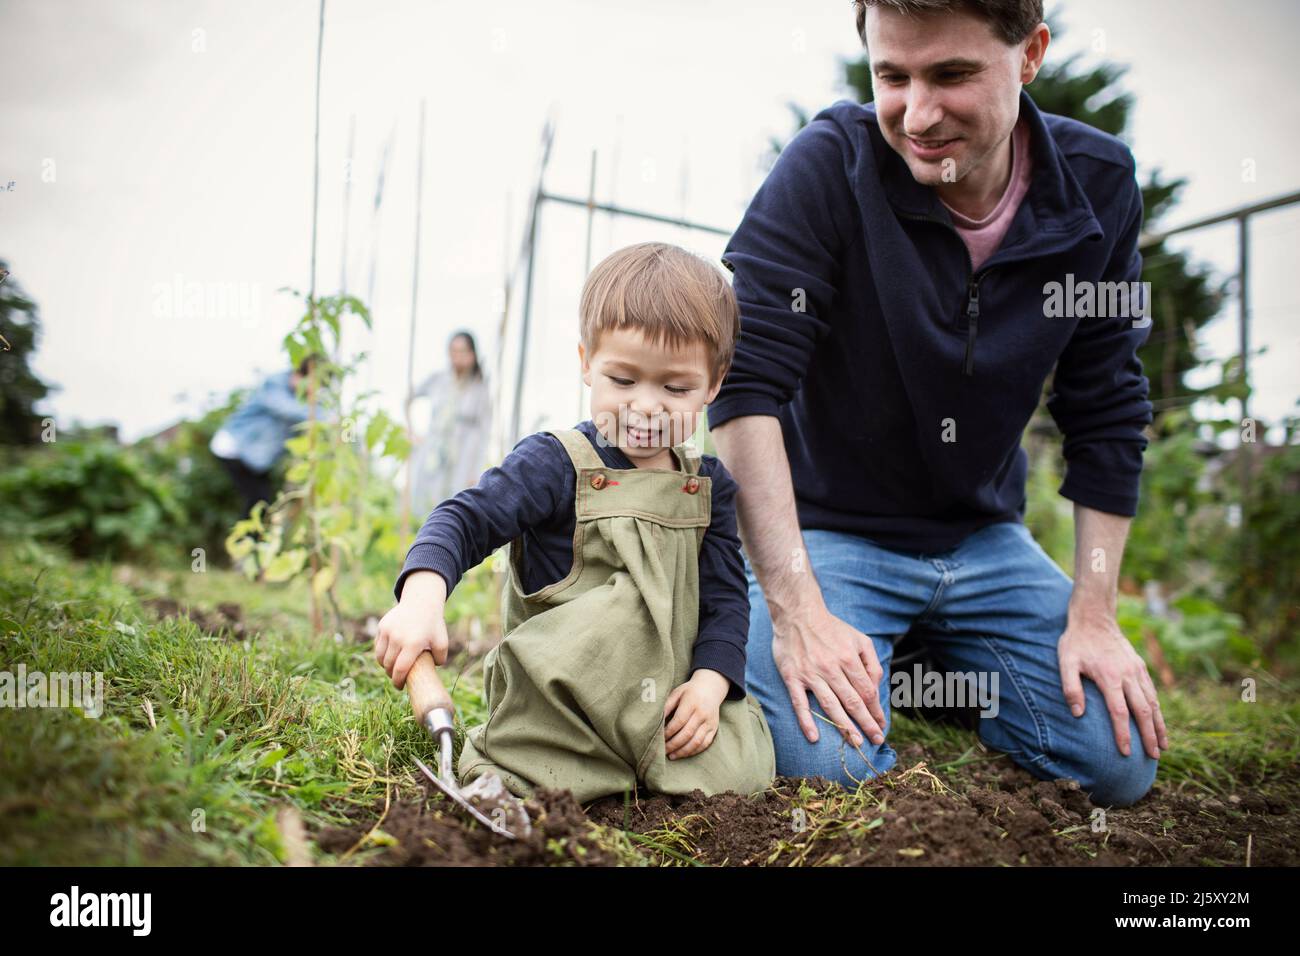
point(931, 148)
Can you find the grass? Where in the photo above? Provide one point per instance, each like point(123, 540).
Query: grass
point(202, 738)
point(205, 739)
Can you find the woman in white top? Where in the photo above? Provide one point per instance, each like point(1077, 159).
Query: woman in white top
point(450, 457)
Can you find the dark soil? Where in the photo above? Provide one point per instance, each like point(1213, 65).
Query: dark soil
point(992, 813)
point(228, 617)
point(436, 833)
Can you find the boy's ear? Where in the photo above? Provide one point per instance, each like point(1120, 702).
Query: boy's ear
point(586, 366)
point(717, 386)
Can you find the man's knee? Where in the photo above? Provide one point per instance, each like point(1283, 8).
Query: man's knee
point(1108, 777)
point(1081, 749)
point(1112, 780)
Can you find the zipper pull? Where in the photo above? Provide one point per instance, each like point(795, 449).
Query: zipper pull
point(972, 317)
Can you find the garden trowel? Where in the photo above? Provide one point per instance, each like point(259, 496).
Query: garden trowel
point(486, 799)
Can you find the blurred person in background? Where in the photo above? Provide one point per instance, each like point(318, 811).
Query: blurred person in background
point(251, 440)
point(450, 457)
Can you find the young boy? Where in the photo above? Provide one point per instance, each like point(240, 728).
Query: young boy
point(626, 611)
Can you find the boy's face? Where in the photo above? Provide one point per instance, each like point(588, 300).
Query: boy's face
point(646, 398)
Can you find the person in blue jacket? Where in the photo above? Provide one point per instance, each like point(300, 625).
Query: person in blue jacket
point(910, 275)
point(251, 440)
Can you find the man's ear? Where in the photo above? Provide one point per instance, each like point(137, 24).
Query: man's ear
point(1035, 52)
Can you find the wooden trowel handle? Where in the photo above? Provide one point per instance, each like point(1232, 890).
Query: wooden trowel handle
point(425, 688)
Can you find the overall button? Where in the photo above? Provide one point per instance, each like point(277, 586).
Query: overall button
point(692, 485)
point(598, 481)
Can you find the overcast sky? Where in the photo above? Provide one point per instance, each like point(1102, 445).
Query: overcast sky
point(164, 147)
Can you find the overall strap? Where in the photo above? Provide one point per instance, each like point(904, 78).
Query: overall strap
point(688, 453)
point(581, 453)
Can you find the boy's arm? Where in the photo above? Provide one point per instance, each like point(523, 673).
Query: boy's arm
point(724, 592)
point(524, 490)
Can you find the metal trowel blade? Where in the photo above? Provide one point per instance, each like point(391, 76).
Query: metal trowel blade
point(490, 787)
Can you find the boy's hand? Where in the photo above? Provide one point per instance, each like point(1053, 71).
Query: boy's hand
point(414, 626)
point(694, 708)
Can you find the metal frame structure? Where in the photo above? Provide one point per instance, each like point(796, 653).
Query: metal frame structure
point(528, 256)
point(1241, 216)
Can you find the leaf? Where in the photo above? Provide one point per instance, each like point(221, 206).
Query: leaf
point(297, 351)
point(397, 445)
point(331, 317)
point(324, 475)
point(285, 565)
point(312, 340)
point(298, 444)
point(375, 430)
point(271, 759)
point(323, 580)
point(240, 542)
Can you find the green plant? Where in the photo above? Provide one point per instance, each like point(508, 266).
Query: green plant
point(1049, 517)
point(21, 390)
point(1170, 527)
point(316, 524)
point(91, 496)
point(1197, 637)
point(1264, 553)
point(197, 482)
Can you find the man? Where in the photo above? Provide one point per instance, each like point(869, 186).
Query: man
point(893, 274)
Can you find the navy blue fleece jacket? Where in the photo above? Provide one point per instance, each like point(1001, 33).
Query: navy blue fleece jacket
point(902, 380)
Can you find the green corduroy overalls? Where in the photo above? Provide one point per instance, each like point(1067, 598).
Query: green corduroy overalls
point(576, 689)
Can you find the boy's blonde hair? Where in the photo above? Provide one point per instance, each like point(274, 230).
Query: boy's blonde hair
point(670, 294)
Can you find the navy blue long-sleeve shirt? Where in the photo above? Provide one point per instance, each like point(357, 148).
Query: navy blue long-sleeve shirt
point(902, 378)
point(530, 495)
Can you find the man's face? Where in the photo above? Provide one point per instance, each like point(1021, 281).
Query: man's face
point(646, 398)
point(946, 88)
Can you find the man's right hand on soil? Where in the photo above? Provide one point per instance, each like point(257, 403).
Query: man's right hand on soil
point(414, 626)
point(817, 652)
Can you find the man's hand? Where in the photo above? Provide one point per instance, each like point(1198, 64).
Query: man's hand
point(813, 649)
point(1095, 647)
point(816, 651)
point(694, 708)
point(414, 626)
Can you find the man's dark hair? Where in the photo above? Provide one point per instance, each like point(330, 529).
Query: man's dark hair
point(1011, 20)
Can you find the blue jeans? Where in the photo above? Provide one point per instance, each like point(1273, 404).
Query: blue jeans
point(995, 604)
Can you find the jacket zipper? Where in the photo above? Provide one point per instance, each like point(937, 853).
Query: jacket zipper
point(972, 315)
point(972, 291)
